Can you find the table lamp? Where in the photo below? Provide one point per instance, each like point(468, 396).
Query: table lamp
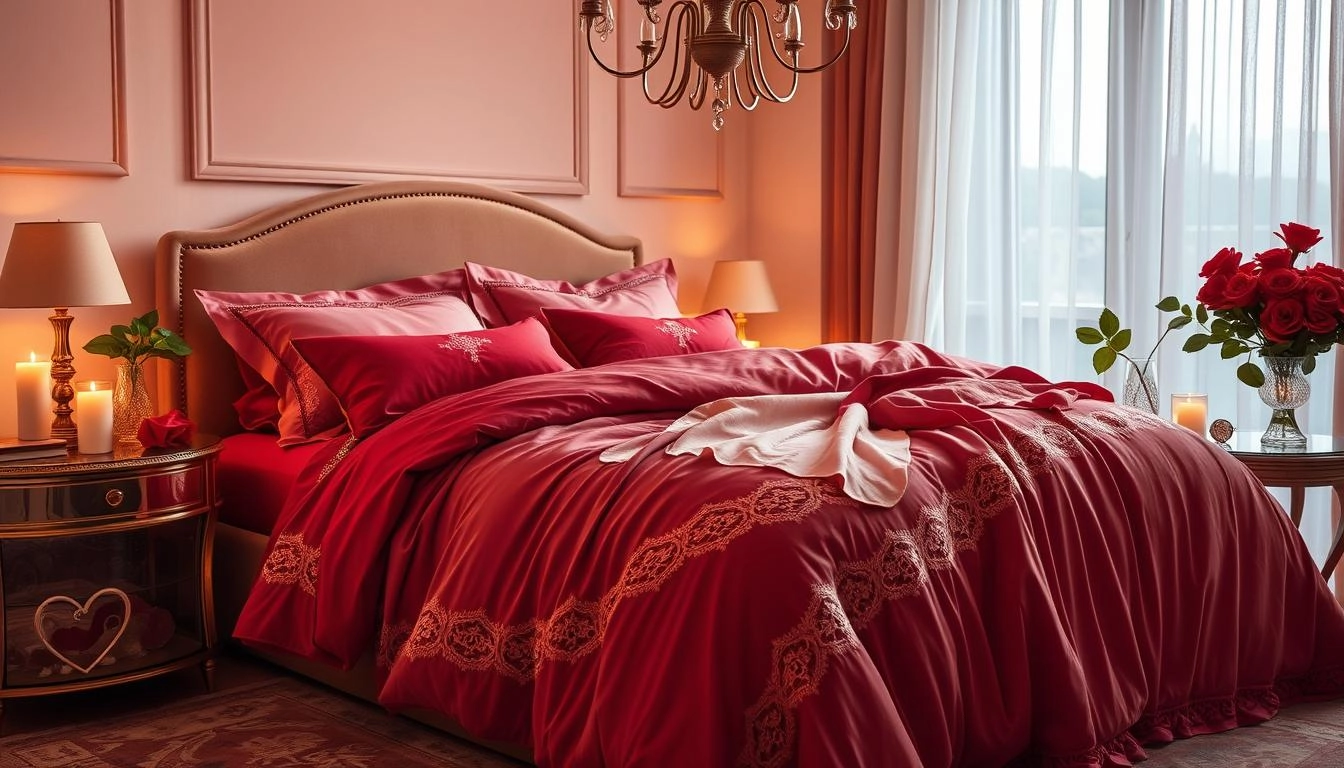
point(743, 287)
point(60, 264)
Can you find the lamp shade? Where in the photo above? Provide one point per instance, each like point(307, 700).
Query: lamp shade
point(60, 264)
point(740, 286)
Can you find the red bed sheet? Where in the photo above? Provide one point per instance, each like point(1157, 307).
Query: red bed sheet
point(1063, 581)
point(255, 477)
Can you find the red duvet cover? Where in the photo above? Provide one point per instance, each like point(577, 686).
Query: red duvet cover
point(1064, 579)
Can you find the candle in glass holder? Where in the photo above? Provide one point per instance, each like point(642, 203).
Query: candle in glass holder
point(32, 380)
point(1191, 411)
point(93, 416)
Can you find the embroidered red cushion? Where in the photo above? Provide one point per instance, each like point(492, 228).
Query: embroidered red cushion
point(260, 326)
point(594, 338)
point(501, 297)
point(379, 378)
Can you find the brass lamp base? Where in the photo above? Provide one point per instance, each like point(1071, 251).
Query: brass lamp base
point(62, 392)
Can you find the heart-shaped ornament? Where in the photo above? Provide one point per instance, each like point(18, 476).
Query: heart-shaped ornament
point(75, 614)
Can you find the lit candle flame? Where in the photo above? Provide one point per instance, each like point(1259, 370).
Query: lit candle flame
point(32, 357)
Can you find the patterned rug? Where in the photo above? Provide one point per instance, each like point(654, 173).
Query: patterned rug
point(270, 724)
point(288, 723)
point(1301, 736)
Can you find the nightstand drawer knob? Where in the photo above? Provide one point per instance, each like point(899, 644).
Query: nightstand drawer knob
point(114, 498)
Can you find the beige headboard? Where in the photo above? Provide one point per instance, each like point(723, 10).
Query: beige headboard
point(350, 238)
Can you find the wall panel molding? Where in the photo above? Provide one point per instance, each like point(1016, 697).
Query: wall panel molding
point(63, 87)
point(387, 89)
point(671, 153)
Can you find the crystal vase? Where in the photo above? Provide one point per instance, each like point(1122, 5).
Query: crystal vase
point(131, 403)
point(1285, 389)
point(1141, 385)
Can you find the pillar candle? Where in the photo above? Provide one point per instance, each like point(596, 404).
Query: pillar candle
point(1190, 411)
point(33, 382)
point(93, 416)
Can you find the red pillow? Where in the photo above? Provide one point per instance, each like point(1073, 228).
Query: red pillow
point(259, 327)
point(379, 378)
point(501, 297)
point(594, 338)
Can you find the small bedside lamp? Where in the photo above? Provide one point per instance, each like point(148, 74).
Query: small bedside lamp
point(60, 264)
point(744, 288)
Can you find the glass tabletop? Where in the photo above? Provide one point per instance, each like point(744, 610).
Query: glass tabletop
point(1249, 442)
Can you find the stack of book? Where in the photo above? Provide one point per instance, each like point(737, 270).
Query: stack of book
point(14, 449)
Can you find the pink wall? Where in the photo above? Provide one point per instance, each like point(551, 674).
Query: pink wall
point(752, 217)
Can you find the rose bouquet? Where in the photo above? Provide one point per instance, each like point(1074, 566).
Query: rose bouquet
point(1270, 304)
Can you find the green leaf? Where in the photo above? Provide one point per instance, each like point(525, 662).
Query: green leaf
point(1103, 359)
point(1108, 322)
point(1202, 314)
point(1169, 304)
point(150, 318)
point(1309, 364)
point(1185, 310)
point(1196, 342)
point(1178, 322)
point(138, 327)
point(1251, 375)
point(1121, 341)
point(1089, 335)
point(1233, 348)
point(108, 345)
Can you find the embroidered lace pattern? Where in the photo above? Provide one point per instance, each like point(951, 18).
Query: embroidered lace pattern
point(682, 332)
point(472, 640)
point(292, 562)
point(900, 568)
point(468, 345)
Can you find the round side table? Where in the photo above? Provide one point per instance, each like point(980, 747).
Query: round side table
point(1320, 465)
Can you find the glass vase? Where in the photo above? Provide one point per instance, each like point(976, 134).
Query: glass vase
point(1141, 385)
point(1285, 389)
point(131, 403)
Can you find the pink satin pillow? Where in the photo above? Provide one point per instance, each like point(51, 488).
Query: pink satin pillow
point(501, 297)
point(377, 379)
point(595, 338)
point(260, 326)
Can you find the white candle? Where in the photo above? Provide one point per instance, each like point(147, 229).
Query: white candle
point(93, 416)
point(1191, 412)
point(33, 382)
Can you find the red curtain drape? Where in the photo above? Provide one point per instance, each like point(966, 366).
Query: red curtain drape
point(852, 130)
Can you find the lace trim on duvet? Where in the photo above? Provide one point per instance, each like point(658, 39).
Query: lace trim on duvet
point(472, 640)
point(901, 568)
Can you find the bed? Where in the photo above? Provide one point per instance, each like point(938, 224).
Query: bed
point(542, 563)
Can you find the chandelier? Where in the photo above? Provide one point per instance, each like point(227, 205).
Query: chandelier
point(719, 37)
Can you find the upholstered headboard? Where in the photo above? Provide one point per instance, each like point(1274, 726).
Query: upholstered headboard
point(349, 238)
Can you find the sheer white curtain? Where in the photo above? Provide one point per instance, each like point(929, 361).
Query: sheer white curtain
point(1074, 153)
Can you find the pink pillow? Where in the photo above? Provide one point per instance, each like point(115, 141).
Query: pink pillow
point(259, 327)
point(594, 338)
point(379, 378)
point(501, 297)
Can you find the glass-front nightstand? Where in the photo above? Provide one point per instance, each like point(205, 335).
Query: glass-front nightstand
point(105, 567)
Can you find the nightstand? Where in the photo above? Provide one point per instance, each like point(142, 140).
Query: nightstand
point(105, 568)
point(1320, 465)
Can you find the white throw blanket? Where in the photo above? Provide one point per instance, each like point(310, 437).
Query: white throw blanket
point(803, 435)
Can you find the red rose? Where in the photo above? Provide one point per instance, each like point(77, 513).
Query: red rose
point(1328, 272)
point(1298, 237)
point(1282, 319)
point(1214, 293)
point(1321, 322)
point(1322, 294)
point(1279, 282)
point(1275, 258)
point(1225, 261)
point(1242, 289)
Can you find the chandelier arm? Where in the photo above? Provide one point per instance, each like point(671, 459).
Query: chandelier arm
point(793, 67)
point(640, 72)
point(676, 83)
point(697, 99)
point(758, 82)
